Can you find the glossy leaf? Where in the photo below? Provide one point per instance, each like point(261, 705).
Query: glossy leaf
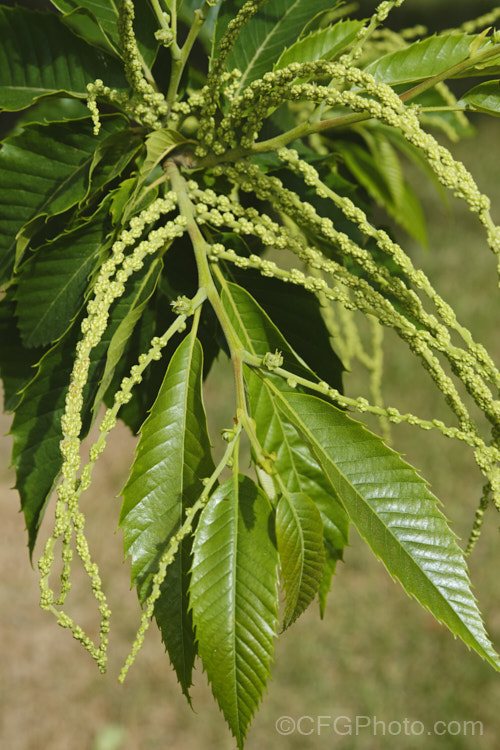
point(422, 59)
point(296, 313)
point(394, 511)
point(40, 56)
point(43, 172)
point(324, 44)
point(483, 98)
point(111, 158)
point(292, 460)
point(234, 598)
point(159, 144)
point(52, 283)
point(299, 535)
point(173, 457)
point(298, 470)
point(262, 41)
point(254, 325)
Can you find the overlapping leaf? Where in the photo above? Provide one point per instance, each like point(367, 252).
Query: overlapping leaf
point(95, 18)
point(51, 286)
point(395, 513)
point(262, 41)
point(43, 172)
point(40, 56)
point(379, 171)
point(234, 598)
point(16, 361)
point(172, 459)
point(299, 534)
point(299, 471)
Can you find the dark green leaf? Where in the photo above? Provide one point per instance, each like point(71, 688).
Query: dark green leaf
point(234, 598)
point(52, 283)
point(299, 534)
point(101, 19)
point(395, 513)
point(111, 157)
point(379, 172)
point(252, 323)
point(260, 43)
point(44, 171)
point(40, 56)
point(16, 361)
point(172, 459)
point(299, 471)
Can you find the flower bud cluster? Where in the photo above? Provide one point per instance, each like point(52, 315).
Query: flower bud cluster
point(98, 89)
point(148, 105)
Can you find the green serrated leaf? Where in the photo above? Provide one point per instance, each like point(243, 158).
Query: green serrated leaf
point(483, 98)
point(44, 172)
point(299, 471)
point(52, 283)
point(396, 514)
point(101, 19)
point(111, 157)
point(292, 460)
point(16, 361)
point(262, 41)
point(234, 598)
point(324, 44)
point(39, 56)
point(172, 459)
point(423, 59)
point(299, 535)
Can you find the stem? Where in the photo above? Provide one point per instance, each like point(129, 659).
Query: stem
point(450, 73)
point(207, 283)
point(180, 56)
point(160, 16)
point(361, 405)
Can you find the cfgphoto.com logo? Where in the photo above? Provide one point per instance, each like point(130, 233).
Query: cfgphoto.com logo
point(357, 725)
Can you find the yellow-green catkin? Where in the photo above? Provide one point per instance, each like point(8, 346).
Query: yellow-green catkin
point(110, 285)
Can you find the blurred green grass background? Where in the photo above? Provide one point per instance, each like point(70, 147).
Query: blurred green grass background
point(376, 653)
